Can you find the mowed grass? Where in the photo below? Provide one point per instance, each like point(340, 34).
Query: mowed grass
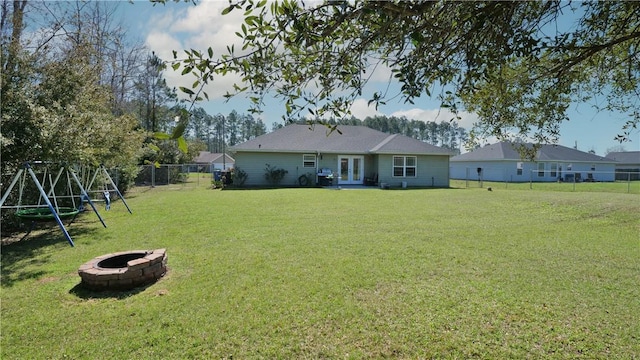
point(319, 273)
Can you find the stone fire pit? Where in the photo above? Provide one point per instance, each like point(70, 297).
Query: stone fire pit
point(124, 270)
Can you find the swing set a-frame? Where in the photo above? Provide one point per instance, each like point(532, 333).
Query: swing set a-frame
point(104, 185)
point(52, 205)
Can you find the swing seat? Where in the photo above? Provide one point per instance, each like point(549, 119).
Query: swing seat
point(45, 214)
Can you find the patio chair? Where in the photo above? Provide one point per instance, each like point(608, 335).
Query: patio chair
point(371, 181)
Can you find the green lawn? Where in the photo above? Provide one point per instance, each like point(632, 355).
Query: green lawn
point(319, 273)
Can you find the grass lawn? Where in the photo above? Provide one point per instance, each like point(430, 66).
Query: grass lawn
point(319, 273)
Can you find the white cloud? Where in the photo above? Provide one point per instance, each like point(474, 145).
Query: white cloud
point(379, 72)
point(162, 44)
point(205, 15)
point(196, 27)
point(360, 109)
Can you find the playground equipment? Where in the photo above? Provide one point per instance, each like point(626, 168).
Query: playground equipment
point(104, 186)
point(48, 207)
point(43, 214)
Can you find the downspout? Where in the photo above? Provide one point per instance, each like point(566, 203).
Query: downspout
point(317, 168)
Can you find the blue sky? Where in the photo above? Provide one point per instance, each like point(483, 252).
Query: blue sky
point(177, 26)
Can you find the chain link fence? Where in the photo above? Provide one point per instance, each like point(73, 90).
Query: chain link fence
point(177, 175)
point(617, 181)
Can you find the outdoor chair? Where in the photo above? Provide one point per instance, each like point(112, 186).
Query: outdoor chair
point(371, 181)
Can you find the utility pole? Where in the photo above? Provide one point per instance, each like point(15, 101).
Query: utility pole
point(224, 147)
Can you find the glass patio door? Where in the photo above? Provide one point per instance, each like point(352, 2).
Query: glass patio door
point(351, 170)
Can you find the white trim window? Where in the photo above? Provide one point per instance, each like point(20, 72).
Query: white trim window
point(540, 169)
point(309, 160)
point(405, 166)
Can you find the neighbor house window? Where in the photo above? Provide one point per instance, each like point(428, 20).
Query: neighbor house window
point(404, 166)
point(309, 160)
point(540, 169)
point(593, 167)
point(519, 168)
point(554, 170)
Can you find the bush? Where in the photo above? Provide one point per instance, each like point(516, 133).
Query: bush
point(274, 175)
point(238, 176)
point(217, 184)
point(124, 176)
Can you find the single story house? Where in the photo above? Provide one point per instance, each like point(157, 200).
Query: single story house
point(207, 161)
point(627, 164)
point(352, 155)
point(502, 162)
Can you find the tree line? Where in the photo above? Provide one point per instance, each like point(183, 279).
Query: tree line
point(216, 132)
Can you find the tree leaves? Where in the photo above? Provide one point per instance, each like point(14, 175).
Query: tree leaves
point(182, 144)
point(178, 131)
point(161, 136)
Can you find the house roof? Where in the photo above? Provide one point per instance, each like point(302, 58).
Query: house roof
point(547, 152)
point(349, 140)
point(625, 157)
point(205, 157)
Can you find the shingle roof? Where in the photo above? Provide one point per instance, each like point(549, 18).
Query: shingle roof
point(350, 140)
point(547, 152)
point(205, 157)
point(625, 157)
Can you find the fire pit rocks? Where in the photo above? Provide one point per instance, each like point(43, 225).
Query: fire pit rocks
point(124, 270)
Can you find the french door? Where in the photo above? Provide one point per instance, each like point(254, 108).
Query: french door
point(351, 169)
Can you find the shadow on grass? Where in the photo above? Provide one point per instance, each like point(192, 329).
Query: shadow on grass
point(80, 291)
point(22, 249)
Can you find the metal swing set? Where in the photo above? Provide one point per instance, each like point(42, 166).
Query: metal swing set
point(51, 205)
point(104, 186)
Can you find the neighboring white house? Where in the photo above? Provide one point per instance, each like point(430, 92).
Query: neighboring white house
point(627, 164)
point(207, 161)
point(502, 162)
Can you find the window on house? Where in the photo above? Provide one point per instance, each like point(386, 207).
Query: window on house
point(554, 170)
point(593, 167)
point(309, 160)
point(540, 169)
point(404, 166)
point(519, 168)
